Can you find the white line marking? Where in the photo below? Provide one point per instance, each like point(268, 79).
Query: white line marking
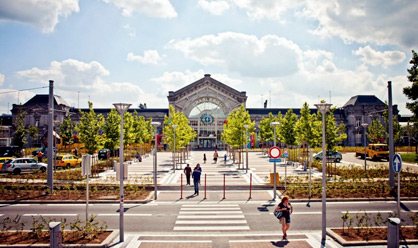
point(211, 217)
point(368, 211)
point(176, 241)
point(204, 209)
point(1, 215)
point(125, 214)
point(210, 205)
point(203, 222)
point(50, 214)
point(301, 213)
point(212, 212)
point(211, 228)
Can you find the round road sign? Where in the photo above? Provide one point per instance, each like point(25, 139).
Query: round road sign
point(275, 152)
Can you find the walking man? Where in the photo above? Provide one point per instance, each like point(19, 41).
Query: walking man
point(215, 156)
point(188, 172)
point(196, 180)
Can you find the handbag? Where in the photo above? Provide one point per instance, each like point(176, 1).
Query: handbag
point(278, 214)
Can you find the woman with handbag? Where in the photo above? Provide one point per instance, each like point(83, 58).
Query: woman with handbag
point(286, 210)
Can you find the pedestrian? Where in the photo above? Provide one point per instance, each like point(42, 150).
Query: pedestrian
point(204, 158)
point(215, 156)
point(188, 172)
point(137, 156)
point(40, 156)
point(76, 152)
point(287, 209)
point(225, 158)
point(196, 180)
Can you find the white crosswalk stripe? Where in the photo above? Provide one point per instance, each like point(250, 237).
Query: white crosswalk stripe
point(211, 217)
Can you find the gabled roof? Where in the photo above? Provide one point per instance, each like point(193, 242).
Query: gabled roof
point(207, 77)
point(44, 99)
point(364, 100)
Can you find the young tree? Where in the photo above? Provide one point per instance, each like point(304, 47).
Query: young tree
point(66, 131)
point(234, 130)
point(287, 128)
point(375, 131)
point(111, 130)
point(143, 130)
point(128, 128)
point(184, 132)
point(266, 129)
point(412, 91)
point(333, 134)
point(305, 129)
point(21, 132)
point(89, 127)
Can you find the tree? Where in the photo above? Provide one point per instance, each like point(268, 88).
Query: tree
point(184, 132)
point(128, 128)
point(88, 128)
point(396, 126)
point(66, 131)
point(21, 132)
point(305, 129)
point(287, 128)
point(233, 133)
point(333, 134)
point(412, 91)
point(266, 129)
point(111, 130)
point(376, 131)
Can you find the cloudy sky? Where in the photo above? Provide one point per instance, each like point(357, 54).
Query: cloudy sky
point(135, 51)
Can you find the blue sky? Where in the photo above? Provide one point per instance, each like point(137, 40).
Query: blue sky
point(135, 51)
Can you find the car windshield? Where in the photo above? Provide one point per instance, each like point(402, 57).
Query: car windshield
point(382, 148)
point(59, 157)
point(103, 151)
point(8, 161)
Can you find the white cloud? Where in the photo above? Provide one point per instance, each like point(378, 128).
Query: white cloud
point(366, 21)
point(150, 57)
point(43, 14)
point(2, 77)
point(375, 58)
point(266, 9)
point(269, 56)
point(215, 7)
point(131, 30)
point(152, 8)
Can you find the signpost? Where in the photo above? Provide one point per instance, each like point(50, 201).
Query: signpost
point(397, 166)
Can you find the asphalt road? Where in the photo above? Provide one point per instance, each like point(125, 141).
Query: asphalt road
point(205, 216)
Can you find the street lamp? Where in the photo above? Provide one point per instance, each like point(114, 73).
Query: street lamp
point(121, 108)
point(365, 125)
point(174, 154)
point(155, 124)
point(323, 108)
point(274, 124)
point(246, 126)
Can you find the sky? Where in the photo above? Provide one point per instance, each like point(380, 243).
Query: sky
point(135, 51)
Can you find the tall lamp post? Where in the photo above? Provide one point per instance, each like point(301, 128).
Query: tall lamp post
point(365, 125)
point(121, 108)
point(155, 124)
point(323, 108)
point(274, 124)
point(174, 154)
point(246, 126)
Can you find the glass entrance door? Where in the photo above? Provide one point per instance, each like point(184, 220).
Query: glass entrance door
point(206, 143)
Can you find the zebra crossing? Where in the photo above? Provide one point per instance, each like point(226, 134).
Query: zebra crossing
point(207, 217)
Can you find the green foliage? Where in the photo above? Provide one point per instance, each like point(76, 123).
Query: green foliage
point(376, 131)
point(234, 130)
point(128, 128)
point(396, 126)
point(412, 91)
point(66, 131)
point(333, 134)
point(266, 129)
point(143, 130)
point(306, 133)
point(89, 127)
point(287, 128)
point(21, 132)
point(111, 130)
point(184, 132)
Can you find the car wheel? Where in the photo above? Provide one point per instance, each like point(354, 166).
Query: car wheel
point(68, 166)
point(43, 169)
point(16, 171)
point(317, 159)
point(337, 160)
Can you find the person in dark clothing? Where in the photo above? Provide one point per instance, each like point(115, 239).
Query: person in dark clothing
point(198, 168)
point(188, 172)
point(287, 209)
point(196, 180)
point(204, 158)
point(40, 154)
point(76, 152)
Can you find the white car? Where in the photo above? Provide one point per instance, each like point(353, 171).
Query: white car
point(18, 165)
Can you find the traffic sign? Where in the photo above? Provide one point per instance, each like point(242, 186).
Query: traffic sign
point(272, 160)
point(397, 163)
point(275, 152)
point(285, 153)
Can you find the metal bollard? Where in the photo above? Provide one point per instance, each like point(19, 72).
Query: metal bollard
point(251, 183)
point(205, 187)
point(393, 232)
point(181, 187)
point(55, 236)
point(224, 187)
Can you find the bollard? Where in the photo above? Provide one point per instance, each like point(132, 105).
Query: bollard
point(224, 186)
point(181, 186)
point(251, 181)
point(55, 236)
point(393, 232)
point(205, 187)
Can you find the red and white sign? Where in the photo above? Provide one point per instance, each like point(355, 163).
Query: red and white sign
point(275, 152)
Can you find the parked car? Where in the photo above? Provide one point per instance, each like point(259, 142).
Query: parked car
point(334, 156)
point(4, 159)
point(67, 161)
point(18, 165)
point(104, 154)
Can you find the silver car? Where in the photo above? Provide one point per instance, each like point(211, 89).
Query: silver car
point(18, 165)
point(333, 156)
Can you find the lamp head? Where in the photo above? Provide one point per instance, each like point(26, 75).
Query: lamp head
point(323, 107)
point(275, 123)
point(155, 123)
point(174, 126)
point(365, 125)
point(122, 107)
point(246, 126)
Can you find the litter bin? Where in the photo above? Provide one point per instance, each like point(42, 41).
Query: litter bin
point(393, 232)
point(272, 178)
